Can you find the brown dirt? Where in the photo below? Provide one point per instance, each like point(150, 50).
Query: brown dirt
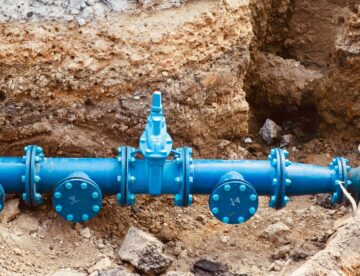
point(83, 91)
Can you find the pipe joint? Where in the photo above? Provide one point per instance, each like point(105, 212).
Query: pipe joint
point(233, 200)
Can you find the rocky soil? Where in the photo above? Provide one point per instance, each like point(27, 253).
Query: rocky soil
point(76, 78)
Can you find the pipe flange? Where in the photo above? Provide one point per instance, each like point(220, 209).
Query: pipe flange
point(278, 160)
point(2, 198)
point(77, 198)
point(126, 156)
point(341, 168)
point(34, 155)
point(233, 201)
point(184, 159)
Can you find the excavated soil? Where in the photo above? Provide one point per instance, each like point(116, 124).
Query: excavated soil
point(80, 85)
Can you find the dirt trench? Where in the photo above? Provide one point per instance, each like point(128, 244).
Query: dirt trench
point(76, 78)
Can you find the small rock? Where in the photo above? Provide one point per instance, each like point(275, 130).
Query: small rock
point(224, 239)
point(85, 233)
point(248, 140)
point(68, 272)
point(144, 251)
point(281, 252)
point(270, 131)
point(288, 139)
point(201, 218)
point(51, 214)
point(206, 267)
point(277, 233)
point(81, 21)
point(104, 263)
point(18, 251)
point(11, 210)
point(118, 271)
point(178, 273)
point(166, 234)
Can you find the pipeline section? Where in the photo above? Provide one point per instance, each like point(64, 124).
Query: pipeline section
point(77, 185)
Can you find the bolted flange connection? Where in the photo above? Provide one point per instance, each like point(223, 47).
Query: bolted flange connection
point(280, 179)
point(340, 167)
point(77, 198)
point(34, 156)
point(233, 200)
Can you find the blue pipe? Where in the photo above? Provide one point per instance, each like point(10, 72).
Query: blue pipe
point(78, 184)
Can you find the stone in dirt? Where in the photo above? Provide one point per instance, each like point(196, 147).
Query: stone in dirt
point(85, 233)
point(144, 252)
point(205, 267)
point(11, 210)
point(282, 252)
point(178, 273)
point(270, 131)
point(118, 271)
point(278, 233)
point(103, 263)
point(68, 272)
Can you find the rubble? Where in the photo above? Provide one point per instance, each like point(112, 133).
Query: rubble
point(277, 233)
point(11, 210)
point(270, 131)
point(144, 251)
point(85, 232)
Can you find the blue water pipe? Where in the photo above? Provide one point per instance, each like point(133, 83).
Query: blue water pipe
point(77, 185)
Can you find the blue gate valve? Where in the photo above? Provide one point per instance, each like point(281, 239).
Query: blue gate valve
point(77, 185)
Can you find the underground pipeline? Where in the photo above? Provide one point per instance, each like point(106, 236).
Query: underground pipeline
point(306, 179)
point(77, 185)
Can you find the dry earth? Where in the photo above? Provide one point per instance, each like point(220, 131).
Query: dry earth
point(80, 85)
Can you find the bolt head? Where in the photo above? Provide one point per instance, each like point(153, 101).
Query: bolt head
point(215, 210)
point(84, 186)
point(37, 196)
point(96, 208)
point(23, 196)
point(286, 199)
point(95, 195)
point(252, 210)
point(288, 182)
point(215, 197)
point(274, 162)
point(57, 195)
point(275, 181)
point(68, 185)
point(85, 217)
point(241, 219)
point(23, 178)
point(37, 178)
point(69, 217)
point(118, 178)
point(253, 197)
point(242, 188)
point(118, 196)
point(225, 220)
point(190, 199)
point(58, 208)
point(227, 188)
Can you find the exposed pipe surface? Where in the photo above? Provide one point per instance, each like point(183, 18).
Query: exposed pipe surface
point(77, 185)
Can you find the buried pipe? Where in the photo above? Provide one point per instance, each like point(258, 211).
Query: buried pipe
point(77, 185)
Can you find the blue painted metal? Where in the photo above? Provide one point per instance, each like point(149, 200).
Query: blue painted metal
point(77, 197)
point(233, 200)
point(78, 184)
